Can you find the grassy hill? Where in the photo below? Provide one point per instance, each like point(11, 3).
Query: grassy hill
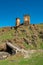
point(27, 37)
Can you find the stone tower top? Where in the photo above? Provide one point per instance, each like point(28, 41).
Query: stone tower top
point(26, 19)
point(17, 21)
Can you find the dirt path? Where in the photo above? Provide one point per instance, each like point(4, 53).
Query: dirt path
point(30, 52)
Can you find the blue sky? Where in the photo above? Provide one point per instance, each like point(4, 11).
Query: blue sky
point(11, 9)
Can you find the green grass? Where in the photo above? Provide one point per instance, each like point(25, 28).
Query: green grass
point(7, 35)
point(40, 25)
point(36, 59)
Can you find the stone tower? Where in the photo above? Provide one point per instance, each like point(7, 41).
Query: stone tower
point(26, 19)
point(17, 21)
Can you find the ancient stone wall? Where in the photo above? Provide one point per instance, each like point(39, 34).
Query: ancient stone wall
point(26, 19)
point(17, 21)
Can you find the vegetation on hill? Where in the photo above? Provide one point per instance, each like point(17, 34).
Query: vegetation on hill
point(27, 37)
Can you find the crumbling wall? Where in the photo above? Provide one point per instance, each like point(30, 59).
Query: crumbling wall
point(26, 19)
point(17, 21)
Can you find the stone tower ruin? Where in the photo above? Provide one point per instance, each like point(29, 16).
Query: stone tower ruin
point(26, 19)
point(17, 21)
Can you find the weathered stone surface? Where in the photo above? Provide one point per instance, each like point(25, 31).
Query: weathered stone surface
point(3, 55)
point(27, 40)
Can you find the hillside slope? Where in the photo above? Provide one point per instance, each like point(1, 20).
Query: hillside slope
point(27, 37)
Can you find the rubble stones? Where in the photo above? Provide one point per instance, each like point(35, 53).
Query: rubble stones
point(3, 55)
point(27, 40)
